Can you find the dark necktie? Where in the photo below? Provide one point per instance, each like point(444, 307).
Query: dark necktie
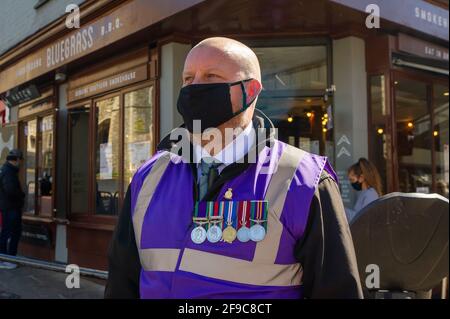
point(209, 172)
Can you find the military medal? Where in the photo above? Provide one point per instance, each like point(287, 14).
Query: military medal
point(198, 234)
point(214, 233)
point(259, 216)
point(243, 234)
point(229, 234)
point(257, 232)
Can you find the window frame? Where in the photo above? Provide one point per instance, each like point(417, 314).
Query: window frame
point(91, 217)
point(391, 75)
point(86, 104)
point(22, 173)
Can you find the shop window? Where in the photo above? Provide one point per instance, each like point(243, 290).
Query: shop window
point(414, 138)
point(37, 142)
point(379, 131)
point(138, 140)
point(440, 136)
point(294, 97)
point(122, 135)
point(79, 160)
point(30, 133)
point(107, 155)
point(45, 166)
point(298, 68)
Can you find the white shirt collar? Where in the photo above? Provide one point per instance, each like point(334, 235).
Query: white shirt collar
point(234, 151)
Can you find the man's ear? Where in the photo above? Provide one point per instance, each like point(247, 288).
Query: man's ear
point(253, 89)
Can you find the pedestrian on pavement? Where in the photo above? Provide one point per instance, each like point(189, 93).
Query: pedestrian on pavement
point(366, 180)
point(11, 203)
point(249, 218)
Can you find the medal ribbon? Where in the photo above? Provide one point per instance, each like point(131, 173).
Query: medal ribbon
point(230, 210)
point(200, 214)
point(264, 212)
point(230, 214)
point(259, 212)
point(213, 213)
point(253, 213)
point(243, 213)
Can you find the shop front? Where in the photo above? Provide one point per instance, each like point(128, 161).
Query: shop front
point(409, 112)
point(36, 138)
point(111, 132)
point(331, 86)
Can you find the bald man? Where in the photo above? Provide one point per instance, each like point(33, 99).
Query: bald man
point(224, 209)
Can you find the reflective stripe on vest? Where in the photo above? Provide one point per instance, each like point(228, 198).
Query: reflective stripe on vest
point(152, 259)
point(223, 267)
point(267, 249)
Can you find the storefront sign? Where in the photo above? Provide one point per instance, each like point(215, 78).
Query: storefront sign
point(125, 20)
point(421, 48)
point(112, 82)
point(344, 155)
point(19, 96)
point(415, 14)
point(36, 234)
point(35, 108)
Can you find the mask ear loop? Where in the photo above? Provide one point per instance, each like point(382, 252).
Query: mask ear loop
point(244, 96)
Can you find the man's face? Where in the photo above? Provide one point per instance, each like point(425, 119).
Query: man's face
point(206, 65)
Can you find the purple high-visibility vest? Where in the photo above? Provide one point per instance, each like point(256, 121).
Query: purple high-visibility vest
point(162, 203)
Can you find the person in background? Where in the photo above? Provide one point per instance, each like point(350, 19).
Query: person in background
point(366, 180)
point(11, 203)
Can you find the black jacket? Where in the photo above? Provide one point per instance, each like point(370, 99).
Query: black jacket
point(11, 193)
point(325, 251)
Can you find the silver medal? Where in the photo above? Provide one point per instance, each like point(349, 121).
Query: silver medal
point(257, 233)
point(198, 235)
point(243, 234)
point(214, 234)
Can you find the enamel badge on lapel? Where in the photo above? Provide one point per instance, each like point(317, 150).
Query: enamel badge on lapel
point(228, 194)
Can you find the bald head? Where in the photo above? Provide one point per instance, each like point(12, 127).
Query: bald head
point(233, 52)
point(234, 60)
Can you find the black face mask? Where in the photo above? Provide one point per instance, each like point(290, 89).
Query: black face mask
point(357, 186)
point(209, 103)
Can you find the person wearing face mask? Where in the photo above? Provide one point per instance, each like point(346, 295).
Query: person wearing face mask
point(365, 179)
point(247, 217)
point(11, 203)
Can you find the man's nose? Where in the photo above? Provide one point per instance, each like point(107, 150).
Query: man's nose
point(198, 80)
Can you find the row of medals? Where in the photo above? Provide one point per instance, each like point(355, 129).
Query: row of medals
point(215, 234)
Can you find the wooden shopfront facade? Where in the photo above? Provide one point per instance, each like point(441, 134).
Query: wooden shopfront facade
point(108, 95)
point(111, 132)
